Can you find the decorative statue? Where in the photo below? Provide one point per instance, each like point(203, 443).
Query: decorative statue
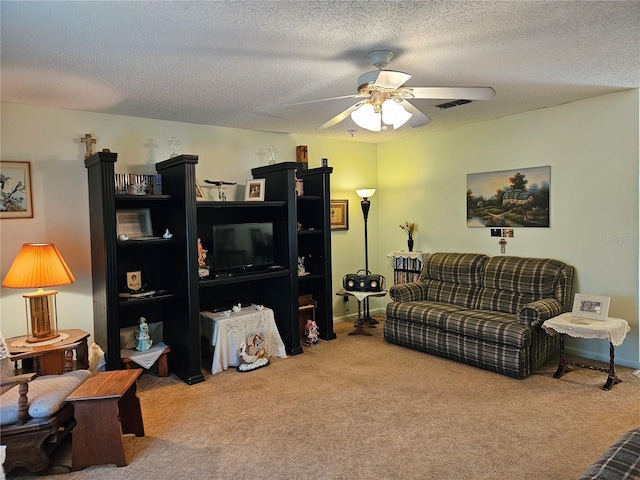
point(301, 269)
point(311, 333)
point(144, 339)
point(252, 353)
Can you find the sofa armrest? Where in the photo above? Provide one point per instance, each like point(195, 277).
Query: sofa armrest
point(408, 292)
point(535, 313)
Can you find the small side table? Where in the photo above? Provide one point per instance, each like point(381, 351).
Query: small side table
point(54, 358)
point(612, 329)
point(105, 406)
point(360, 322)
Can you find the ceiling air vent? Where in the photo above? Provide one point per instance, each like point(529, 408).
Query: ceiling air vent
point(455, 103)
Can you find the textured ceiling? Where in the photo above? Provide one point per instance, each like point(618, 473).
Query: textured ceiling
point(234, 63)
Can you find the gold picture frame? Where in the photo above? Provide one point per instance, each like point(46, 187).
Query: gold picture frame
point(15, 190)
point(339, 214)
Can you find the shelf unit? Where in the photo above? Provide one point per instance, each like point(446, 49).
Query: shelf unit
point(170, 266)
point(407, 265)
point(164, 263)
point(312, 240)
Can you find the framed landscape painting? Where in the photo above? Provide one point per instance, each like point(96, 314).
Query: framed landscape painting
point(15, 190)
point(509, 198)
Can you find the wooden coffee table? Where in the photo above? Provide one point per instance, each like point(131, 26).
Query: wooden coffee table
point(106, 406)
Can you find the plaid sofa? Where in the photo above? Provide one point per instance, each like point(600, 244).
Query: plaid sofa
point(480, 310)
point(620, 461)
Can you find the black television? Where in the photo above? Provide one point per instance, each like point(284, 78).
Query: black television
point(242, 247)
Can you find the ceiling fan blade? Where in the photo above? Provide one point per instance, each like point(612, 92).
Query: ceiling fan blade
point(340, 117)
point(356, 95)
point(391, 79)
point(453, 93)
point(418, 119)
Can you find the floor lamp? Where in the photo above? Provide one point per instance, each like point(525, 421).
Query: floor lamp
point(365, 194)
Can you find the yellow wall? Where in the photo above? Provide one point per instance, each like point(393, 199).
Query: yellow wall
point(49, 138)
point(591, 146)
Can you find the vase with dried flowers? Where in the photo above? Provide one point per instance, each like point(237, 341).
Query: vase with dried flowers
point(409, 228)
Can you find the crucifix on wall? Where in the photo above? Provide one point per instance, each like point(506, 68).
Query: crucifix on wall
point(88, 141)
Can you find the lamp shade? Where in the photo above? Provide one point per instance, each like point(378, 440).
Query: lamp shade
point(366, 192)
point(367, 117)
point(38, 265)
point(394, 114)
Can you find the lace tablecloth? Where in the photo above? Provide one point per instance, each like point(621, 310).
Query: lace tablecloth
point(227, 333)
point(613, 329)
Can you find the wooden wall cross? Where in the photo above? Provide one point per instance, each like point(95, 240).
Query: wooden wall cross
point(88, 141)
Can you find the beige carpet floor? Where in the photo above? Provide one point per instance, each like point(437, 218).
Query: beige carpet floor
point(359, 407)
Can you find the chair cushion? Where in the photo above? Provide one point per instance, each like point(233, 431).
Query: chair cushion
point(47, 394)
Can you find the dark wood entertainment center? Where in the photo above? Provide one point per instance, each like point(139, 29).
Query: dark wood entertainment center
point(170, 266)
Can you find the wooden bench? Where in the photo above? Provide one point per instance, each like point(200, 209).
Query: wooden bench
point(162, 363)
point(106, 407)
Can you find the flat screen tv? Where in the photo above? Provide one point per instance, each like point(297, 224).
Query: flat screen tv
point(242, 247)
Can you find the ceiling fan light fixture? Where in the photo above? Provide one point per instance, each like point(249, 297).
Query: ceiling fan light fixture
point(366, 117)
point(394, 114)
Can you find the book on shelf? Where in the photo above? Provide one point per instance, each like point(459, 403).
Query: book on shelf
point(138, 184)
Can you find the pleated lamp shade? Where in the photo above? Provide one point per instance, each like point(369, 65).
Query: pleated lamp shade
point(38, 265)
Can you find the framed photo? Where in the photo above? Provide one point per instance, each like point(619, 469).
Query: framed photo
point(134, 280)
point(15, 185)
point(199, 193)
point(254, 191)
point(590, 306)
point(135, 223)
point(339, 213)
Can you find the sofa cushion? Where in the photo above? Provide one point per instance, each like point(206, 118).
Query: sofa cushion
point(457, 268)
point(488, 326)
point(444, 292)
point(528, 276)
point(511, 282)
point(429, 313)
point(46, 396)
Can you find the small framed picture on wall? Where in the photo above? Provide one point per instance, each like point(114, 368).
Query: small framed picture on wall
point(15, 190)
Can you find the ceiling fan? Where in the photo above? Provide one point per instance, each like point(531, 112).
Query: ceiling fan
point(385, 97)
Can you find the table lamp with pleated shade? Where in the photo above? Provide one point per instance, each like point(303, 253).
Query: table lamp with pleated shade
point(39, 265)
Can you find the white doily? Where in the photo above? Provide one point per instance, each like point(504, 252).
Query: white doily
point(612, 329)
point(22, 341)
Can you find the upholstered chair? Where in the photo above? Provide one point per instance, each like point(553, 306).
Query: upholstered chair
point(34, 414)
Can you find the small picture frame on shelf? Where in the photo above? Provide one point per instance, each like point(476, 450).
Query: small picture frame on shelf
point(254, 190)
point(134, 223)
point(594, 307)
point(339, 214)
point(134, 280)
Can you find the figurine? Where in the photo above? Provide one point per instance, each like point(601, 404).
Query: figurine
point(237, 308)
point(301, 269)
point(144, 340)
point(203, 268)
point(167, 234)
point(311, 332)
point(252, 353)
